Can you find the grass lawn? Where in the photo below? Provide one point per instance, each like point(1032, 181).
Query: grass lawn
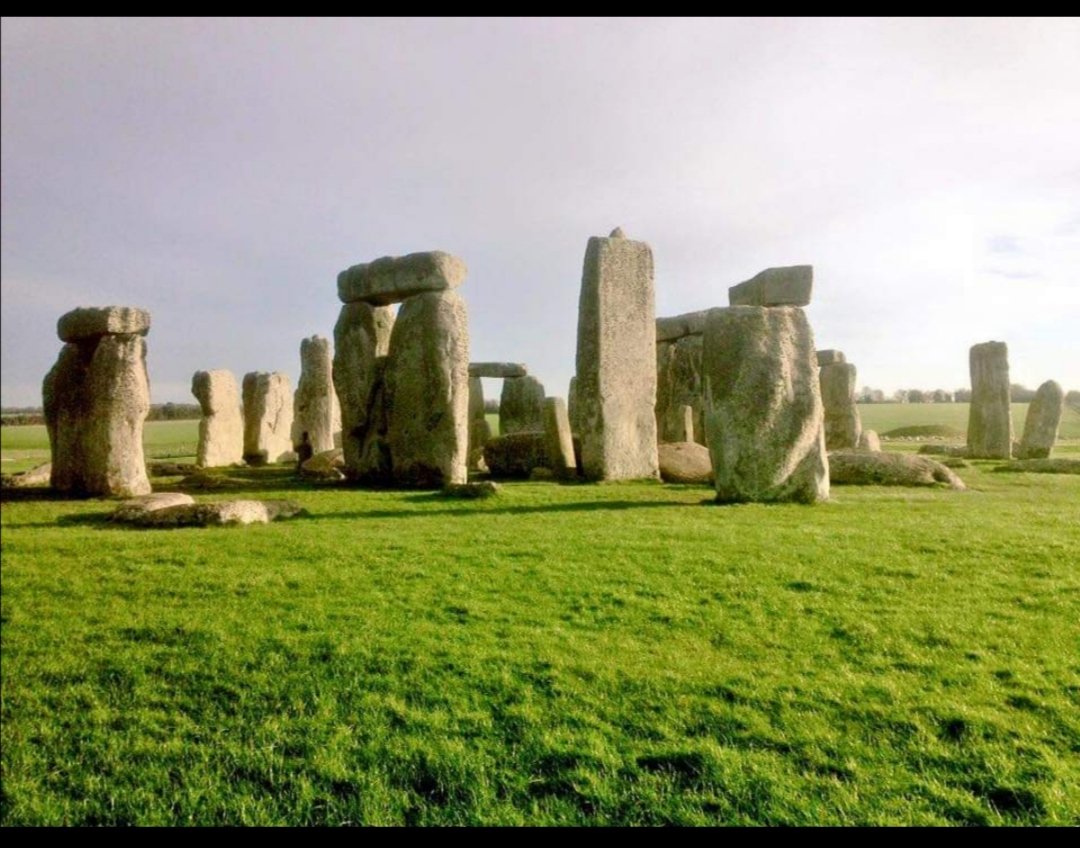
point(615, 654)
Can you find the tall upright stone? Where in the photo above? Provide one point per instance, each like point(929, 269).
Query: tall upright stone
point(843, 425)
point(479, 429)
point(990, 432)
point(221, 428)
point(96, 398)
point(572, 405)
point(521, 405)
point(315, 405)
point(427, 391)
point(616, 361)
point(361, 344)
point(763, 410)
point(560, 441)
point(678, 384)
point(1042, 422)
point(268, 418)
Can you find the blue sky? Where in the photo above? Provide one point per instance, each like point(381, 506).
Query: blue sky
point(221, 173)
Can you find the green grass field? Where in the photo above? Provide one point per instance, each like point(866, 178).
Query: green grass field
point(614, 654)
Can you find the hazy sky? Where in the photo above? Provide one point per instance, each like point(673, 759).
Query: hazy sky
point(221, 173)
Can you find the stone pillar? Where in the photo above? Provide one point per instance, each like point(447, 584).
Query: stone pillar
point(1042, 422)
point(479, 429)
point(616, 361)
point(990, 431)
point(96, 398)
point(221, 429)
point(268, 417)
point(842, 423)
point(560, 441)
point(763, 410)
point(521, 406)
point(315, 404)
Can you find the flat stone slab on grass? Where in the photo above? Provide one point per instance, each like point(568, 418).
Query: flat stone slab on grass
point(216, 514)
point(38, 476)
point(392, 279)
point(497, 370)
point(960, 451)
point(1057, 465)
point(860, 468)
point(133, 509)
point(88, 322)
point(788, 286)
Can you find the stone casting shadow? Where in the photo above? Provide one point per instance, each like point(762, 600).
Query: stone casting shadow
point(466, 512)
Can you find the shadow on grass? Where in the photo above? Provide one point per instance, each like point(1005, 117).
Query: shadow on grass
point(437, 498)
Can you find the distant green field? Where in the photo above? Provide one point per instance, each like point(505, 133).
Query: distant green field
point(883, 417)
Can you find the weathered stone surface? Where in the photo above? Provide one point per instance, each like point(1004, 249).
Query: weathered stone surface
point(268, 416)
point(325, 463)
point(497, 370)
point(215, 514)
point(990, 433)
point(763, 414)
point(789, 286)
point(1055, 465)
point(842, 423)
point(888, 469)
point(1042, 422)
point(392, 279)
point(170, 469)
point(427, 391)
point(479, 429)
point(572, 405)
point(560, 441)
point(89, 322)
point(315, 404)
point(517, 454)
point(221, 428)
point(677, 326)
point(133, 508)
point(679, 384)
point(869, 441)
point(830, 357)
point(521, 406)
point(960, 451)
point(616, 361)
point(38, 476)
point(617, 233)
point(361, 344)
point(685, 462)
point(96, 398)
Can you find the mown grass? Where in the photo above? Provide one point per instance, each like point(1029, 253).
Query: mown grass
point(618, 654)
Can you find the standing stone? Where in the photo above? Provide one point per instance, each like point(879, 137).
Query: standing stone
point(686, 431)
point(521, 406)
point(830, 357)
point(1042, 422)
point(842, 423)
point(678, 384)
point(96, 398)
point(572, 405)
point(427, 391)
point(616, 361)
point(870, 441)
point(315, 405)
point(560, 441)
point(268, 417)
point(221, 428)
point(479, 429)
point(361, 344)
point(763, 410)
point(990, 433)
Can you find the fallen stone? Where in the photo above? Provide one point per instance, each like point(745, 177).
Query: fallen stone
point(134, 508)
point(616, 361)
point(497, 370)
point(324, 463)
point(89, 322)
point(38, 476)
point(471, 491)
point(990, 434)
point(830, 357)
point(221, 428)
point(957, 451)
point(889, 469)
point(170, 469)
point(516, 455)
point(392, 279)
point(789, 286)
point(1042, 422)
point(685, 462)
point(764, 419)
point(217, 514)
